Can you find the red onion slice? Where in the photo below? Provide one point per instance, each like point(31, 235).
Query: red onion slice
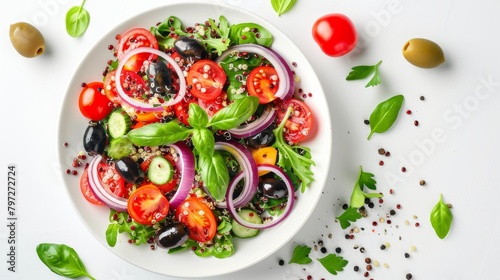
point(285, 74)
point(185, 164)
point(102, 192)
point(248, 167)
point(276, 220)
point(257, 126)
point(148, 107)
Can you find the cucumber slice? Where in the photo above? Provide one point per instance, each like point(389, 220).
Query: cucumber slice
point(119, 123)
point(119, 148)
point(250, 216)
point(160, 170)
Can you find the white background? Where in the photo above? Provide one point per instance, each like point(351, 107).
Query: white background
point(454, 148)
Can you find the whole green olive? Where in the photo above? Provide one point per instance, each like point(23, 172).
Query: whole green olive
point(423, 53)
point(26, 39)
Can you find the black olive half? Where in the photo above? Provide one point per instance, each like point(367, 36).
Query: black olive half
point(272, 188)
point(129, 170)
point(190, 49)
point(159, 77)
point(263, 139)
point(94, 139)
point(172, 235)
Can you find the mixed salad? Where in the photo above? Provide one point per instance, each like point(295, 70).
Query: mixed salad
point(194, 136)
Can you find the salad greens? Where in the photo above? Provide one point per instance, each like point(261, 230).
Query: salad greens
point(77, 20)
point(363, 71)
point(333, 263)
point(301, 255)
point(62, 260)
point(385, 115)
point(294, 158)
point(358, 197)
point(121, 222)
point(441, 218)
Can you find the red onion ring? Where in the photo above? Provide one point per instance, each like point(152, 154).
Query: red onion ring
point(102, 192)
point(248, 167)
point(285, 74)
point(148, 107)
point(185, 164)
point(276, 220)
point(255, 127)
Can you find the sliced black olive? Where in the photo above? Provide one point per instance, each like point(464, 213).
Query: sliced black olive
point(172, 235)
point(272, 188)
point(263, 139)
point(160, 79)
point(129, 170)
point(94, 139)
point(190, 49)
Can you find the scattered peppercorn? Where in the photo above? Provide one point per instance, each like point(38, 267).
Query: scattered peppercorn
point(368, 267)
point(392, 212)
point(381, 163)
point(409, 276)
point(323, 250)
point(407, 255)
point(387, 154)
point(408, 112)
point(422, 182)
point(381, 151)
point(403, 169)
point(368, 260)
point(281, 262)
point(422, 98)
point(338, 250)
point(356, 268)
point(415, 123)
point(382, 247)
point(366, 122)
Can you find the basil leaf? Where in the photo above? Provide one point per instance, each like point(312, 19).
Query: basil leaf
point(62, 260)
point(333, 263)
point(214, 174)
point(441, 218)
point(158, 134)
point(235, 113)
point(385, 114)
point(112, 234)
point(282, 6)
point(77, 20)
point(203, 141)
point(198, 118)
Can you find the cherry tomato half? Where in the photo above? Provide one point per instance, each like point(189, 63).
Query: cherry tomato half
point(109, 178)
point(335, 34)
point(299, 124)
point(263, 82)
point(132, 39)
point(206, 79)
point(93, 103)
point(214, 105)
point(147, 205)
point(199, 219)
point(181, 109)
point(86, 191)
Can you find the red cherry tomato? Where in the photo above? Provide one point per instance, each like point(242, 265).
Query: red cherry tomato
point(263, 82)
point(199, 219)
point(206, 79)
point(213, 106)
point(132, 39)
point(299, 124)
point(335, 34)
point(93, 103)
point(181, 109)
point(109, 178)
point(147, 205)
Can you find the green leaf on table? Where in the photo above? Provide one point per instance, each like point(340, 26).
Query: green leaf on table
point(385, 114)
point(62, 260)
point(77, 20)
point(366, 179)
point(363, 71)
point(301, 255)
point(333, 263)
point(282, 6)
point(441, 218)
point(351, 214)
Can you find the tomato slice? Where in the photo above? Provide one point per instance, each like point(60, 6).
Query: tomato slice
point(263, 82)
point(181, 109)
point(132, 39)
point(199, 219)
point(109, 178)
point(206, 79)
point(300, 121)
point(86, 191)
point(214, 105)
point(92, 102)
point(147, 205)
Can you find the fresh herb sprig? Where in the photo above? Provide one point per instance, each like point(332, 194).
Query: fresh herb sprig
point(441, 218)
point(282, 6)
point(62, 260)
point(293, 158)
point(331, 262)
point(120, 222)
point(363, 71)
point(358, 196)
point(77, 20)
point(385, 114)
